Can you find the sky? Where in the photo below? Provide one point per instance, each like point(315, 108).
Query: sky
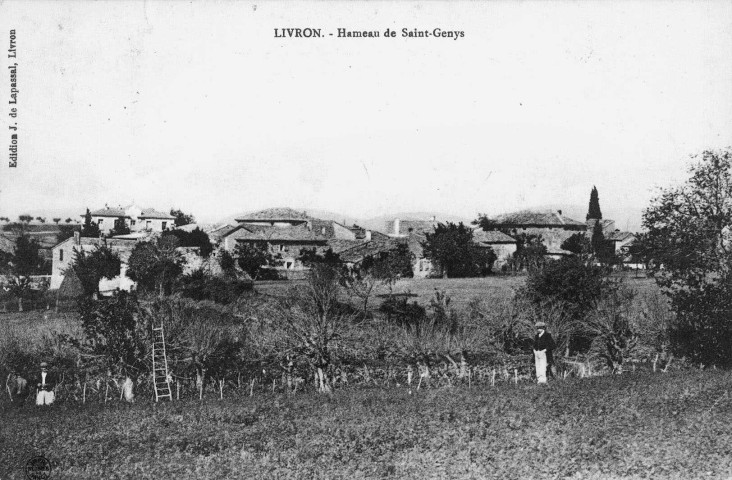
point(198, 106)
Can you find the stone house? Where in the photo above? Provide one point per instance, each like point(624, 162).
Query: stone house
point(287, 232)
point(553, 227)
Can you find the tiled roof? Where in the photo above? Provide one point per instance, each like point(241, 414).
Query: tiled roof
point(109, 212)
point(620, 236)
point(275, 214)
point(374, 247)
point(339, 245)
point(271, 234)
point(493, 236)
point(152, 213)
point(526, 217)
point(122, 212)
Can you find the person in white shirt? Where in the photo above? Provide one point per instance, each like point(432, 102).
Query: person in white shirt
point(44, 387)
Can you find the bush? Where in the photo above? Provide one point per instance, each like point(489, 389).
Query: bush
point(198, 285)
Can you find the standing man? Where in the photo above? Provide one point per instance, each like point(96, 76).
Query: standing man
point(543, 353)
point(44, 387)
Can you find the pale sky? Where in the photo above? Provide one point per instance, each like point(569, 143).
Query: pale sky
point(198, 106)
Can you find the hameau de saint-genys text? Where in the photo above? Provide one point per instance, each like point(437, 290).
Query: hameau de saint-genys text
point(349, 33)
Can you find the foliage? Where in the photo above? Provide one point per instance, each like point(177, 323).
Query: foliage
point(577, 243)
point(91, 267)
point(394, 264)
point(199, 285)
point(614, 336)
point(112, 335)
point(182, 218)
point(253, 257)
point(451, 247)
point(227, 263)
point(593, 210)
point(530, 254)
point(156, 265)
point(311, 321)
point(195, 238)
point(202, 338)
point(673, 425)
point(570, 281)
point(311, 257)
point(89, 228)
point(120, 227)
point(688, 239)
point(25, 218)
point(26, 257)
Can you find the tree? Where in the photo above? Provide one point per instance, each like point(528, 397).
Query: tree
point(451, 247)
point(182, 218)
point(311, 320)
point(120, 227)
point(156, 266)
point(593, 212)
point(689, 238)
point(90, 229)
point(114, 341)
point(69, 220)
point(26, 258)
point(41, 219)
point(530, 252)
point(598, 238)
point(91, 267)
point(195, 238)
point(571, 284)
point(56, 220)
point(253, 257)
point(25, 218)
point(578, 244)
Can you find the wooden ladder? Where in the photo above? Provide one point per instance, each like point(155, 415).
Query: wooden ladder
point(160, 365)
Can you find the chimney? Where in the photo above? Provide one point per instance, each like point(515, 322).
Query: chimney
point(396, 226)
point(77, 237)
point(368, 236)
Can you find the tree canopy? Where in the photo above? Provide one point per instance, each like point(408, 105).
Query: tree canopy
point(594, 209)
point(182, 218)
point(451, 247)
point(689, 242)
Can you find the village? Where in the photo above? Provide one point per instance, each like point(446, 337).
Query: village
point(286, 233)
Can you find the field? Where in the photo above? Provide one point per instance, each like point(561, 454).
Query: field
point(641, 424)
point(637, 425)
point(460, 290)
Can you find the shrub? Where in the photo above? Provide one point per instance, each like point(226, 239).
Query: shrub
point(198, 285)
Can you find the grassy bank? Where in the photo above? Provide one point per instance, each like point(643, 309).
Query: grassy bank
point(675, 425)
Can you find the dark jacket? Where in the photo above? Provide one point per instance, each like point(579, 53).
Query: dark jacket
point(545, 342)
point(50, 381)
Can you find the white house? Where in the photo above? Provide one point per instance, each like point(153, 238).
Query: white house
point(136, 218)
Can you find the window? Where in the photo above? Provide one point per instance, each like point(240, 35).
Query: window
point(61, 255)
point(100, 222)
point(148, 224)
point(165, 224)
point(132, 222)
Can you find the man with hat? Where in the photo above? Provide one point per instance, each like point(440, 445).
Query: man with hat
point(44, 386)
point(543, 352)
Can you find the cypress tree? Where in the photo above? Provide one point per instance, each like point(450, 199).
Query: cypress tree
point(594, 210)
